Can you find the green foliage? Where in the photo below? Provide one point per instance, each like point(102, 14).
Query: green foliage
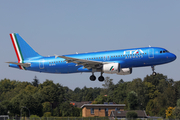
point(47, 114)
point(34, 116)
point(176, 112)
point(35, 82)
point(101, 99)
point(153, 94)
point(131, 114)
point(178, 103)
point(46, 107)
point(132, 100)
point(108, 87)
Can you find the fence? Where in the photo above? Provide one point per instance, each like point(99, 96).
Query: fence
point(59, 118)
point(81, 118)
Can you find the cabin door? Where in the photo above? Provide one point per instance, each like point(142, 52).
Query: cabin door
point(151, 53)
point(41, 64)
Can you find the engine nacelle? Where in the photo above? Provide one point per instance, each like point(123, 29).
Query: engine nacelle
point(125, 71)
point(111, 68)
point(115, 68)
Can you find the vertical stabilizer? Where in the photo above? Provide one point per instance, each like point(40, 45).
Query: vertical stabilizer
point(22, 49)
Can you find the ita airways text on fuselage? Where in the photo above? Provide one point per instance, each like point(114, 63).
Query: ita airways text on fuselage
point(118, 62)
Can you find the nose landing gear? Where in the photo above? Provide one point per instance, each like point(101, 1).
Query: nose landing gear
point(154, 73)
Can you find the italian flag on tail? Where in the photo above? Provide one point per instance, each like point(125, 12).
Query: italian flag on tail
point(17, 50)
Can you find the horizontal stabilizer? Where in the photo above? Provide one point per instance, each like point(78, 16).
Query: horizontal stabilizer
point(21, 64)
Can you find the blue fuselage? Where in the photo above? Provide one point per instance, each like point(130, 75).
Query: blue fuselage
point(127, 58)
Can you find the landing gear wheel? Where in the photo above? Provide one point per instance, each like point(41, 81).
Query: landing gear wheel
point(92, 78)
point(154, 73)
point(101, 78)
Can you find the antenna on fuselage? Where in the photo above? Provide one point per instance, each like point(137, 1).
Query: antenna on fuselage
point(149, 46)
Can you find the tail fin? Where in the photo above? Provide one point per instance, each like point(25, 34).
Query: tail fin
point(22, 49)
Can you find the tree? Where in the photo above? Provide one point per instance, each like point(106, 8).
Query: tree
point(47, 106)
point(66, 109)
point(178, 103)
point(108, 83)
point(176, 112)
point(35, 82)
point(154, 80)
point(177, 89)
point(120, 93)
point(102, 98)
point(132, 100)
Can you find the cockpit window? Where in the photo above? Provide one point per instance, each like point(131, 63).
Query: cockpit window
point(164, 51)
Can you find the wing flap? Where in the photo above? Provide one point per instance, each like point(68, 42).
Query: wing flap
point(86, 63)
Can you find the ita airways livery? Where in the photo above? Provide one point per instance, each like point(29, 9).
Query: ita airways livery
point(119, 62)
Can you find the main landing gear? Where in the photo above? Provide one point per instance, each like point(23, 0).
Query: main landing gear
point(154, 73)
point(100, 78)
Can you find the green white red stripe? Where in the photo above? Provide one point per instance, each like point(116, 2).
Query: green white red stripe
point(112, 68)
point(17, 49)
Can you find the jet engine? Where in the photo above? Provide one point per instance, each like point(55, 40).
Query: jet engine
point(111, 68)
point(125, 71)
point(115, 68)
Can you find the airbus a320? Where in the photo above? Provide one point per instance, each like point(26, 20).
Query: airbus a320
point(119, 62)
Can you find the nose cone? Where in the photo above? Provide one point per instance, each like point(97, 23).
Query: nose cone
point(172, 57)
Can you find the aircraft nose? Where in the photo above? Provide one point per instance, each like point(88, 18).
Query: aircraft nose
point(172, 56)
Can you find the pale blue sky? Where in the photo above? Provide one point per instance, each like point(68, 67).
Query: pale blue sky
point(66, 27)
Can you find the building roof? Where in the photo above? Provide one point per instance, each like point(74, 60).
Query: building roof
point(79, 104)
point(122, 114)
point(103, 105)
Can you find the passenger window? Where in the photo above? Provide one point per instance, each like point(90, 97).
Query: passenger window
point(160, 51)
point(163, 51)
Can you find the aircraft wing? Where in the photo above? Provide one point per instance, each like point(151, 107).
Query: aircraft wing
point(86, 63)
point(22, 64)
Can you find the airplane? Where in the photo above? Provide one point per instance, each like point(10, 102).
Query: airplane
point(118, 62)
